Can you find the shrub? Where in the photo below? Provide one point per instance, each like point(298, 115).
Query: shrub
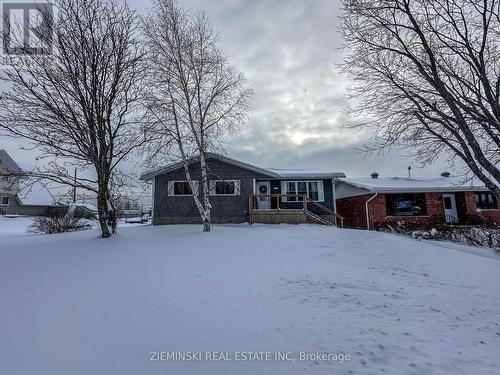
point(470, 235)
point(474, 236)
point(56, 224)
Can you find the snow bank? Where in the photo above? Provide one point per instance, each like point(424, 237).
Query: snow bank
point(10, 226)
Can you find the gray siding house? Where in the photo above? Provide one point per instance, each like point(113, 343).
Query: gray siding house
point(18, 196)
point(240, 192)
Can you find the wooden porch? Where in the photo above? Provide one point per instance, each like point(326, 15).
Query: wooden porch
point(290, 209)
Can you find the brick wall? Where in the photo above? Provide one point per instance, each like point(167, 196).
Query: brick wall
point(353, 210)
point(492, 215)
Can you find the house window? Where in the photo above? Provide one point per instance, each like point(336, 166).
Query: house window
point(181, 188)
point(312, 189)
point(225, 187)
point(486, 201)
point(4, 201)
point(5, 178)
point(405, 204)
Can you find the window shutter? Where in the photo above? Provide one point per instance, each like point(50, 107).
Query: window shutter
point(321, 191)
point(237, 187)
point(170, 187)
point(283, 190)
point(212, 187)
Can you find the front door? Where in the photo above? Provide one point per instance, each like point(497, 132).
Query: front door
point(450, 208)
point(263, 188)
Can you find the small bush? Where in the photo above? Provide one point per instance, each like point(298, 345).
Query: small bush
point(56, 224)
point(470, 235)
point(474, 236)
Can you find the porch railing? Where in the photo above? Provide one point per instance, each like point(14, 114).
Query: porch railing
point(278, 203)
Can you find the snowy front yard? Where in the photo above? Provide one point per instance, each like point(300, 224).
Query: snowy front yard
point(76, 304)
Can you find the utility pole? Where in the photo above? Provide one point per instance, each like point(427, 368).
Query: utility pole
point(74, 188)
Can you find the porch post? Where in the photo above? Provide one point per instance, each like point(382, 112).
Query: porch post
point(250, 204)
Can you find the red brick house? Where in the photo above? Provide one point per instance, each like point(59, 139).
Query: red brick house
point(370, 203)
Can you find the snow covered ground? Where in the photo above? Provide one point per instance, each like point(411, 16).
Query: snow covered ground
point(18, 225)
point(10, 226)
point(76, 304)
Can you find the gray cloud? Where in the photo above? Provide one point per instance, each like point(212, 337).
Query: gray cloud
point(288, 50)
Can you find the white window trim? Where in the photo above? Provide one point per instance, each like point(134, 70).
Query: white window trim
point(237, 188)
point(1, 200)
point(321, 191)
point(170, 186)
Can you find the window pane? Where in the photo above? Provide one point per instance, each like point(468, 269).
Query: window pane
point(224, 187)
point(313, 186)
point(313, 191)
point(219, 187)
point(301, 189)
point(229, 186)
point(405, 204)
point(5, 200)
point(313, 195)
point(291, 189)
point(182, 188)
point(486, 201)
point(447, 203)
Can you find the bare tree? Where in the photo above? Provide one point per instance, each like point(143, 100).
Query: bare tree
point(197, 95)
point(78, 105)
point(428, 73)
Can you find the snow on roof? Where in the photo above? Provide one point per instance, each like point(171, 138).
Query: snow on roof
point(401, 184)
point(10, 164)
point(35, 194)
point(304, 173)
point(26, 167)
point(270, 172)
point(88, 206)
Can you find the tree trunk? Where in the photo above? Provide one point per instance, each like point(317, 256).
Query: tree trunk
point(207, 226)
point(102, 208)
point(112, 221)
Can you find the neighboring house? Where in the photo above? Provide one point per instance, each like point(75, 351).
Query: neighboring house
point(375, 202)
point(17, 194)
point(242, 192)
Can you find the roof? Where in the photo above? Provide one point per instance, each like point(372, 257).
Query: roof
point(415, 185)
point(269, 172)
point(35, 194)
point(305, 173)
point(9, 163)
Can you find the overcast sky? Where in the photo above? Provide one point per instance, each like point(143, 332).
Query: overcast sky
point(288, 50)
